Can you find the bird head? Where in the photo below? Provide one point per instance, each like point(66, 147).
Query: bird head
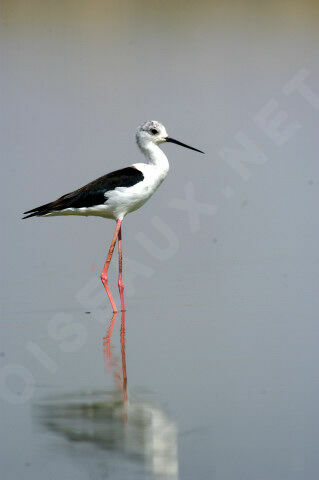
point(154, 132)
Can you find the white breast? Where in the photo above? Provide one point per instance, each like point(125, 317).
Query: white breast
point(124, 200)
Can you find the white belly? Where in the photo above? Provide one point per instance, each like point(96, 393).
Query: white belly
point(123, 200)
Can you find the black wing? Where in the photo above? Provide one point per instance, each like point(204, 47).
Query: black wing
point(91, 194)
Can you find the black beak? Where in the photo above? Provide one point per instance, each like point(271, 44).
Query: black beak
point(171, 140)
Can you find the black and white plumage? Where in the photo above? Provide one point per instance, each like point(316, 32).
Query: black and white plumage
point(119, 192)
point(87, 199)
point(122, 191)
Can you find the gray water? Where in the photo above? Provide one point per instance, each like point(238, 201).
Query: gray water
point(221, 265)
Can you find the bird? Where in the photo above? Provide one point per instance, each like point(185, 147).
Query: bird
point(118, 193)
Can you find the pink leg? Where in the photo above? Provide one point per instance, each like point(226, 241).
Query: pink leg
point(107, 264)
point(124, 364)
point(121, 284)
point(107, 341)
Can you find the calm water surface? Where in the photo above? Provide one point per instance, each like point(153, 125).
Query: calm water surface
point(220, 344)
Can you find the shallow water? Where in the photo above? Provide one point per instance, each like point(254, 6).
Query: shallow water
point(221, 266)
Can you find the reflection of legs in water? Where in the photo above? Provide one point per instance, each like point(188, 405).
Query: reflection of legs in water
point(123, 356)
point(112, 361)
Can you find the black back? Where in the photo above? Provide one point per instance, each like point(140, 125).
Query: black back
point(94, 193)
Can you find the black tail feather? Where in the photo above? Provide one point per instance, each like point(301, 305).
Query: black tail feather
point(94, 193)
point(31, 215)
point(38, 211)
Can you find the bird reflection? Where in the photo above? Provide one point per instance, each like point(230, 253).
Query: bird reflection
point(115, 421)
point(112, 361)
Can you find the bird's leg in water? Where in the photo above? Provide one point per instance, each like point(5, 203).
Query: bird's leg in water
point(107, 264)
point(120, 283)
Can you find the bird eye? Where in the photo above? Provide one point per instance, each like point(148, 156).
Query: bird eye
point(154, 131)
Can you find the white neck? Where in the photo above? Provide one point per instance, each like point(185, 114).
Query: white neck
point(155, 156)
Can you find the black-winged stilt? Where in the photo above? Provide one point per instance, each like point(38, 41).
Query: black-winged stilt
point(118, 193)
